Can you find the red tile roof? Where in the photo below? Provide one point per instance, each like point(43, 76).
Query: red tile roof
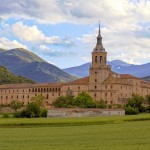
point(128, 76)
point(115, 80)
point(145, 84)
point(28, 85)
point(81, 81)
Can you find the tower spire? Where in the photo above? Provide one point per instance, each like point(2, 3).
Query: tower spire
point(99, 46)
point(99, 27)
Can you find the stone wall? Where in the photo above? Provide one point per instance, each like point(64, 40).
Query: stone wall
point(68, 112)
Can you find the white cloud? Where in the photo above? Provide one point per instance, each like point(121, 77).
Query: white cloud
point(121, 44)
point(44, 47)
point(7, 44)
point(32, 34)
point(86, 58)
point(126, 34)
point(112, 12)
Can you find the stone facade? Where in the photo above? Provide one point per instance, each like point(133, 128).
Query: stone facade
point(102, 83)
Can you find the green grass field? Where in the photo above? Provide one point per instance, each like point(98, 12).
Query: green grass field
point(98, 133)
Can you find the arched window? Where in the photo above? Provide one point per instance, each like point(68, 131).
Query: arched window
point(101, 59)
point(95, 58)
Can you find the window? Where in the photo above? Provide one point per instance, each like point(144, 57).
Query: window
point(95, 80)
point(58, 89)
point(47, 96)
point(105, 86)
point(78, 87)
point(111, 86)
point(95, 72)
point(96, 59)
point(101, 59)
point(105, 94)
point(111, 94)
point(95, 87)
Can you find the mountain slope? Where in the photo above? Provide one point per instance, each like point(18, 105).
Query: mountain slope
point(118, 66)
point(147, 78)
point(7, 77)
point(22, 62)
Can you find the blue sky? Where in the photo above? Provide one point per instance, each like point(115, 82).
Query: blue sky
point(63, 32)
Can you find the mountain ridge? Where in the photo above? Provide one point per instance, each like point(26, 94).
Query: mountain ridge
point(27, 64)
point(6, 77)
point(117, 66)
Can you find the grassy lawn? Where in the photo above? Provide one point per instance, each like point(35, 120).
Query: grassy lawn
point(120, 136)
point(14, 122)
point(93, 133)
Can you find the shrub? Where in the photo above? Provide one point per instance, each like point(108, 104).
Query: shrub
point(136, 101)
point(147, 98)
point(148, 109)
point(101, 104)
point(17, 114)
point(5, 115)
point(32, 110)
point(131, 110)
point(43, 112)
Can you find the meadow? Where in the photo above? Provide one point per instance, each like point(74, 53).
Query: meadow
point(92, 133)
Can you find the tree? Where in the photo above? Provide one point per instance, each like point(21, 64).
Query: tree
point(84, 100)
point(16, 105)
point(131, 111)
point(64, 102)
point(39, 99)
point(136, 101)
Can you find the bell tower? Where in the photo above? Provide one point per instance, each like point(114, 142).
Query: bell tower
point(99, 55)
point(99, 70)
